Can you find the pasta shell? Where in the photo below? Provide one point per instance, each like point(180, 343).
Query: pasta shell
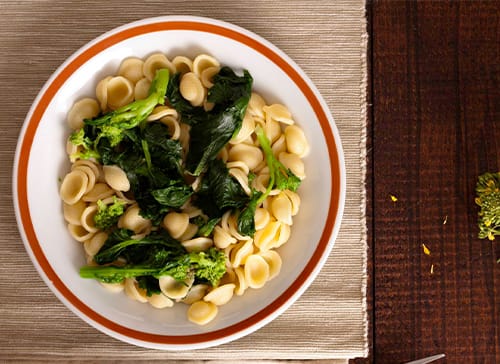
point(113, 287)
point(242, 179)
point(196, 293)
point(247, 128)
point(87, 218)
point(99, 192)
point(255, 105)
point(294, 199)
point(79, 233)
point(261, 218)
point(73, 187)
point(203, 62)
point(296, 141)
point(155, 62)
point(132, 220)
point(141, 89)
point(173, 126)
point(133, 290)
point(162, 111)
point(92, 177)
point(120, 92)
point(116, 178)
point(278, 112)
point(202, 312)
point(279, 146)
point(182, 64)
point(274, 262)
point(197, 244)
point(191, 89)
point(281, 208)
point(86, 108)
point(101, 92)
point(94, 244)
point(264, 238)
point(222, 238)
point(294, 163)
point(240, 282)
point(174, 289)
point(159, 300)
point(221, 295)
point(87, 163)
point(176, 223)
point(131, 69)
point(248, 154)
point(72, 213)
point(272, 129)
point(256, 271)
point(240, 253)
point(189, 233)
point(207, 75)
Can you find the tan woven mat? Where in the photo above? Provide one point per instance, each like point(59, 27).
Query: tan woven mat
point(327, 39)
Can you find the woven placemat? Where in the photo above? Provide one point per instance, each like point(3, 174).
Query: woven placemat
point(327, 39)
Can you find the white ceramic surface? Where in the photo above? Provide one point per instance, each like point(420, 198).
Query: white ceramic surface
point(41, 161)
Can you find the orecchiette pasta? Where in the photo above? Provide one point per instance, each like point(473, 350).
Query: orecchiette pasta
point(155, 62)
point(250, 261)
point(132, 220)
point(176, 223)
point(182, 64)
point(141, 88)
point(296, 141)
point(131, 69)
point(203, 62)
point(201, 312)
point(116, 178)
point(120, 92)
point(83, 109)
point(256, 271)
point(221, 295)
point(192, 89)
point(159, 300)
point(174, 289)
point(73, 187)
point(274, 262)
point(133, 291)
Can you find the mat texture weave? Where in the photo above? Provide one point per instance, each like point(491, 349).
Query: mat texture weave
point(327, 39)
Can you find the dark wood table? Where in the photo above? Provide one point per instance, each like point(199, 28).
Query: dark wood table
point(435, 126)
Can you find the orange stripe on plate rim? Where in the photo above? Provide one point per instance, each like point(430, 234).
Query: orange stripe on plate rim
point(40, 110)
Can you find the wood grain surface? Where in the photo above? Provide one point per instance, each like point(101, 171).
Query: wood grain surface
point(435, 126)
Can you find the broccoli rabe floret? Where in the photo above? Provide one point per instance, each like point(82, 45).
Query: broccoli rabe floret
point(87, 149)
point(108, 215)
point(488, 198)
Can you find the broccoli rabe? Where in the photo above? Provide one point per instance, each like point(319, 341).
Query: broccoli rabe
point(108, 215)
point(488, 198)
point(208, 266)
point(114, 124)
point(280, 177)
point(87, 149)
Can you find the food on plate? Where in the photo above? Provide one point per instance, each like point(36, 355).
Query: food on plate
point(183, 183)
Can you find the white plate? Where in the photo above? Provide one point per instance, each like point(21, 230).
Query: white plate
point(41, 160)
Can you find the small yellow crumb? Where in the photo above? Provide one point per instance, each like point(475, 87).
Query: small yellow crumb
point(393, 198)
point(426, 250)
point(432, 268)
point(445, 220)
